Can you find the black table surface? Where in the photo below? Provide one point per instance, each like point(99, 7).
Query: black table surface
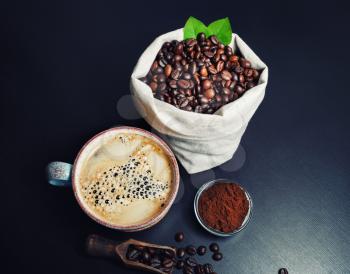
point(65, 68)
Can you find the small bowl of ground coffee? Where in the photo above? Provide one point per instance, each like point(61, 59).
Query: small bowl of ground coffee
point(222, 207)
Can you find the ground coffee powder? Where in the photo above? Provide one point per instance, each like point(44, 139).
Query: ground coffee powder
point(223, 206)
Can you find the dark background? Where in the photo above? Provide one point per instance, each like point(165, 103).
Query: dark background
point(65, 64)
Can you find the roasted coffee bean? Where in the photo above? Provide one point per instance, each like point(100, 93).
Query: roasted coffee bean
point(139, 247)
point(209, 53)
point(199, 269)
point(183, 83)
point(198, 109)
point(234, 96)
point(169, 253)
point(223, 57)
point(228, 50)
point(216, 58)
point(239, 89)
point(225, 99)
point(133, 254)
point(183, 102)
point(250, 85)
point(226, 75)
point(212, 69)
point(203, 100)
point(234, 76)
point(220, 66)
point(180, 252)
point(153, 86)
point(196, 80)
point(165, 269)
point(203, 71)
point(241, 78)
point(175, 74)
point(234, 58)
point(191, 250)
point(188, 269)
point(245, 63)
point(146, 256)
point(201, 36)
point(214, 40)
point(209, 93)
point(226, 91)
point(214, 247)
point(179, 49)
point(180, 264)
point(239, 70)
point(190, 261)
point(206, 84)
point(218, 98)
point(151, 251)
point(201, 250)
point(161, 78)
point(208, 268)
point(283, 271)
point(248, 72)
point(178, 58)
point(167, 263)
point(186, 76)
point(167, 70)
point(217, 256)
point(173, 84)
point(191, 42)
point(249, 79)
point(162, 86)
point(154, 66)
point(192, 69)
point(162, 62)
point(155, 262)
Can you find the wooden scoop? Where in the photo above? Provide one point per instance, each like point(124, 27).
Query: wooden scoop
point(102, 247)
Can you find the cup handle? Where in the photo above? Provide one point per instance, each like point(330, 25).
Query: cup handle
point(59, 174)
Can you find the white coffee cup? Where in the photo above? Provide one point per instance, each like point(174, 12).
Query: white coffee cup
point(64, 174)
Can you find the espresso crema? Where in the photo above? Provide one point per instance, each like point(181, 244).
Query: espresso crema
point(127, 180)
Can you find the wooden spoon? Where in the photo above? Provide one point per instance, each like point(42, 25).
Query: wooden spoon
point(102, 247)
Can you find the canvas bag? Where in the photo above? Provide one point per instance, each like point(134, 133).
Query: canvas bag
point(199, 141)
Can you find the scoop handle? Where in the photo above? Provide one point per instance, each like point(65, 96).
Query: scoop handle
point(101, 247)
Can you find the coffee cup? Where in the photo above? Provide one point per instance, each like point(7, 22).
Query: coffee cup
point(124, 178)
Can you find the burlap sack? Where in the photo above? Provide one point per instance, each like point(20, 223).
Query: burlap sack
point(200, 141)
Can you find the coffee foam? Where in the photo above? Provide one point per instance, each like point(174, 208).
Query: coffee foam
point(126, 180)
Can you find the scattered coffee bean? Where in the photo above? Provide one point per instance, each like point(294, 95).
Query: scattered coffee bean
point(190, 261)
point(201, 250)
point(180, 252)
point(200, 68)
point(208, 268)
point(191, 250)
point(199, 269)
point(188, 269)
point(217, 256)
point(214, 247)
point(283, 271)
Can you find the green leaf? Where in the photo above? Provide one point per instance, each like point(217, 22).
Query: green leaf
point(222, 29)
point(192, 27)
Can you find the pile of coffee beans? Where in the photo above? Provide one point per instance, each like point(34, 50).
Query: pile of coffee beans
point(184, 259)
point(161, 259)
point(200, 75)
